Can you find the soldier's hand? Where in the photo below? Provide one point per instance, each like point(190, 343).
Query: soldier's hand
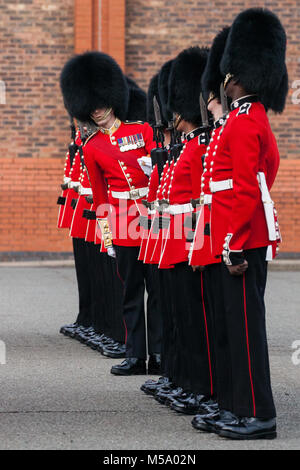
point(198, 268)
point(238, 269)
point(64, 186)
point(111, 252)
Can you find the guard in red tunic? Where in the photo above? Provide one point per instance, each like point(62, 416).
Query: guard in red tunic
point(96, 90)
point(161, 123)
point(70, 186)
point(148, 202)
point(244, 231)
point(113, 284)
point(70, 182)
point(193, 375)
point(201, 256)
point(68, 164)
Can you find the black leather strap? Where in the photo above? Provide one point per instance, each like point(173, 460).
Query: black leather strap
point(61, 201)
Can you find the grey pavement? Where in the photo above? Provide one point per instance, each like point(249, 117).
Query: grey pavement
point(57, 394)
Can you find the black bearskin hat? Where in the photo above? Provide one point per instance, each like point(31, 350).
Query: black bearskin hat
point(185, 83)
point(91, 81)
point(255, 56)
point(212, 76)
point(163, 88)
point(137, 108)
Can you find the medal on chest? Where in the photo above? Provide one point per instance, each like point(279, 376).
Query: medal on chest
point(131, 142)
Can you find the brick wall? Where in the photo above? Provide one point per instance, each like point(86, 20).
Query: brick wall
point(28, 213)
point(286, 194)
point(36, 38)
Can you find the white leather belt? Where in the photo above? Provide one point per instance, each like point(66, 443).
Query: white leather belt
point(206, 199)
point(85, 191)
point(216, 186)
point(175, 209)
point(268, 205)
point(66, 179)
point(133, 194)
point(73, 184)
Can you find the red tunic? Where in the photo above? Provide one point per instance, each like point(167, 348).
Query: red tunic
point(64, 193)
point(91, 227)
point(184, 185)
point(109, 174)
point(201, 248)
point(154, 243)
point(79, 223)
point(68, 213)
point(153, 187)
point(246, 146)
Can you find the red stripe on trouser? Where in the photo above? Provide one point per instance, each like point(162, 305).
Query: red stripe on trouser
point(126, 332)
point(207, 338)
point(248, 348)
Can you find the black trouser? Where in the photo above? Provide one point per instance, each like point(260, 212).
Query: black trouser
point(194, 352)
point(168, 352)
point(97, 271)
point(81, 257)
point(214, 294)
point(107, 294)
point(135, 276)
point(241, 340)
point(115, 287)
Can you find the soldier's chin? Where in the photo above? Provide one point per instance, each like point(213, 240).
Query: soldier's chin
point(101, 122)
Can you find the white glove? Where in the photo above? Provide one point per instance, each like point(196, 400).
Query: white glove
point(111, 252)
point(146, 165)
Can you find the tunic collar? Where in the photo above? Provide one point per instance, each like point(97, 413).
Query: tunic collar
point(245, 99)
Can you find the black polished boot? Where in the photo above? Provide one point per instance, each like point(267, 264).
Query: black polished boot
point(131, 366)
point(165, 392)
point(154, 364)
point(188, 405)
point(174, 396)
point(75, 333)
point(80, 333)
point(115, 350)
point(67, 329)
point(105, 341)
point(89, 333)
point(208, 407)
point(213, 421)
point(151, 387)
point(94, 341)
point(248, 429)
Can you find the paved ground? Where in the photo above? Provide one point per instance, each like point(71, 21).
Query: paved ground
point(58, 394)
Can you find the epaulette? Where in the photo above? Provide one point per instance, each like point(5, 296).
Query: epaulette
point(203, 139)
point(244, 109)
point(134, 122)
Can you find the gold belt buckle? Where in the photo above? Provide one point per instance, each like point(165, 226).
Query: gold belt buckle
point(202, 200)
